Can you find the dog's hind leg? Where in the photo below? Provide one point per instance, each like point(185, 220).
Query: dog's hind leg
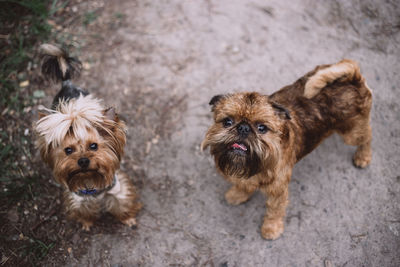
point(360, 135)
point(121, 200)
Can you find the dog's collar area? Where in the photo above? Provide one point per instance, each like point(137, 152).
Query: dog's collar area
point(95, 192)
point(88, 191)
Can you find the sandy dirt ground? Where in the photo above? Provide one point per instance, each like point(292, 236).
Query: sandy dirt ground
point(161, 65)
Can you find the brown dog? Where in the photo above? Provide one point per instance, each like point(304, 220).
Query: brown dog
point(257, 139)
point(83, 142)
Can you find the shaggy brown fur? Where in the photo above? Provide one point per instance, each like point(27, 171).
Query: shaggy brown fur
point(83, 143)
point(120, 201)
point(99, 174)
point(257, 139)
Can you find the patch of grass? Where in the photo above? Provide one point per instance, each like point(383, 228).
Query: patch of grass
point(30, 228)
point(119, 15)
point(23, 26)
point(24, 23)
point(89, 18)
point(36, 249)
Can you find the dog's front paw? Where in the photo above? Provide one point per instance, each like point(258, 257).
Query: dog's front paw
point(131, 222)
point(86, 225)
point(235, 196)
point(272, 229)
point(362, 158)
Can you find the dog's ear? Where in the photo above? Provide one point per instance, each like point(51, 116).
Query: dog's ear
point(214, 101)
point(41, 115)
point(116, 131)
point(281, 111)
point(45, 151)
point(110, 114)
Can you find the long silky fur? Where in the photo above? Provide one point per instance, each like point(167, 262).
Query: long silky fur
point(75, 117)
point(57, 65)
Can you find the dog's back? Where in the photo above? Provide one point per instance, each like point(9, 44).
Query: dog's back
point(339, 91)
point(331, 98)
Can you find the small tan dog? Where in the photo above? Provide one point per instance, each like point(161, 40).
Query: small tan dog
point(257, 139)
point(83, 143)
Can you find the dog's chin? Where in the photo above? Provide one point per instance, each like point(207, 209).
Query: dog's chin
point(236, 160)
point(83, 172)
point(86, 179)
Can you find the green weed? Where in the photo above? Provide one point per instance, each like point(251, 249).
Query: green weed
point(23, 26)
point(36, 250)
point(89, 18)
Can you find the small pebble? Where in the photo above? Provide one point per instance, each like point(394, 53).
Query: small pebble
point(235, 49)
point(24, 83)
point(86, 65)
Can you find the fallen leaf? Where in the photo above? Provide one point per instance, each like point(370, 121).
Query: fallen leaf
point(24, 83)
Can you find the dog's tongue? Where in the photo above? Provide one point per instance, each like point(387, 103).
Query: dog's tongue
point(239, 146)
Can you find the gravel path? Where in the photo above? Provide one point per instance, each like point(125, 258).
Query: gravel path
point(160, 68)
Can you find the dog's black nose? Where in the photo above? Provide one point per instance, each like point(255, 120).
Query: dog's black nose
point(243, 129)
point(83, 162)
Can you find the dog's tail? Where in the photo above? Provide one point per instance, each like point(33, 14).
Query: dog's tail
point(57, 65)
point(344, 71)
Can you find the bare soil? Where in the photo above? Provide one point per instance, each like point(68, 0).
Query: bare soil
point(160, 62)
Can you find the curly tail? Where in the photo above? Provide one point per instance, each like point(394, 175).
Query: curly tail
point(344, 71)
point(57, 65)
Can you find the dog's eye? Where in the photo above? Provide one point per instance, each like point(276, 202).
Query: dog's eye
point(68, 150)
point(262, 128)
point(227, 122)
point(93, 146)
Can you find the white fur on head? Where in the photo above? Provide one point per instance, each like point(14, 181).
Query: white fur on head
point(78, 114)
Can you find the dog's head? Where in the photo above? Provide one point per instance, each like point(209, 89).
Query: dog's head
point(248, 133)
point(82, 142)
